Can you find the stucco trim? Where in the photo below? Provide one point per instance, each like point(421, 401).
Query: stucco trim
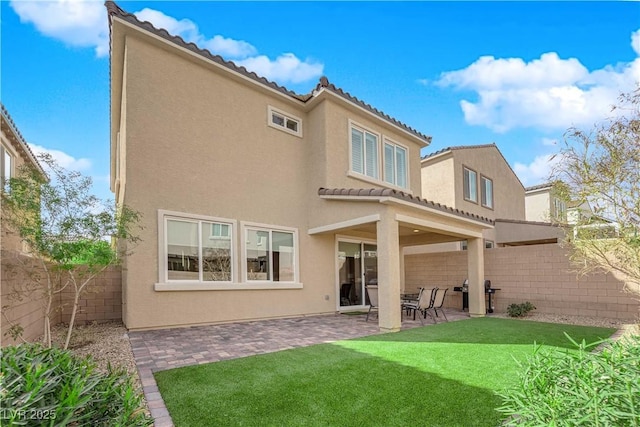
point(249, 286)
point(344, 224)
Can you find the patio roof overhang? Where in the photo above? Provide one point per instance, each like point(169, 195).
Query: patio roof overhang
point(419, 221)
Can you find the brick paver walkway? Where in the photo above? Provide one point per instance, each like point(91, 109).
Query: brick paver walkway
point(171, 348)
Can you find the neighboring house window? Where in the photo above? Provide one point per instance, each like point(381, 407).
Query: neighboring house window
point(364, 152)
point(488, 244)
point(198, 250)
point(6, 166)
point(284, 121)
point(559, 210)
point(486, 192)
point(395, 164)
point(270, 254)
point(464, 245)
point(470, 185)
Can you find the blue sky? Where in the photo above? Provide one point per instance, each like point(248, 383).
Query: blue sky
point(514, 73)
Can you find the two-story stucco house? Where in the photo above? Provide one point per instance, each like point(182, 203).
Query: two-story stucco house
point(259, 202)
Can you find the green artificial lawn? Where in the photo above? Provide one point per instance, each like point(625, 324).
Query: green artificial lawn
point(439, 375)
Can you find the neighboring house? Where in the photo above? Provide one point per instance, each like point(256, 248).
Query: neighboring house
point(14, 153)
point(258, 202)
point(478, 179)
point(542, 205)
point(22, 311)
point(473, 178)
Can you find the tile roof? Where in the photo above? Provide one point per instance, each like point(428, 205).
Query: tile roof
point(539, 187)
point(19, 139)
point(461, 147)
point(400, 195)
point(464, 147)
point(114, 10)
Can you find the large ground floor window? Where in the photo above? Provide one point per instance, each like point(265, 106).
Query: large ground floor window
point(198, 250)
point(270, 254)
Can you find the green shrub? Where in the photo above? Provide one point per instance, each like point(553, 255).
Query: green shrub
point(50, 387)
point(565, 388)
point(520, 310)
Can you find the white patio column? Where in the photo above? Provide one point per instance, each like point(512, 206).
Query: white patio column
point(475, 253)
point(389, 313)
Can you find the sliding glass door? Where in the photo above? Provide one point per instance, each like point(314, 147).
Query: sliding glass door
point(357, 268)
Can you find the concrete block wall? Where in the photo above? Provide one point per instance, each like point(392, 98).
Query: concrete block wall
point(103, 301)
point(540, 274)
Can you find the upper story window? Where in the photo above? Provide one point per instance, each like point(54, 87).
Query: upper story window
point(364, 152)
point(395, 164)
point(284, 121)
point(486, 192)
point(6, 166)
point(470, 179)
point(198, 250)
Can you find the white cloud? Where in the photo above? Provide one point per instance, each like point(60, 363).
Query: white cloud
point(285, 68)
point(549, 142)
point(75, 22)
point(546, 93)
point(83, 23)
point(63, 159)
point(189, 31)
point(536, 172)
point(635, 42)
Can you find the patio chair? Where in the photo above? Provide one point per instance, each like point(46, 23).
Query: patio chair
point(423, 305)
point(439, 302)
point(372, 293)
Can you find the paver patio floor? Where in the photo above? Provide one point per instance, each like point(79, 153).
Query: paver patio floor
point(157, 350)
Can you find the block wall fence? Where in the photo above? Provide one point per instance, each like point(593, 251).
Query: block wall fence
point(540, 274)
point(102, 303)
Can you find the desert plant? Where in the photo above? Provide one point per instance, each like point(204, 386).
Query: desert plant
point(49, 386)
point(571, 388)
point(520, 310)
point(64, 226)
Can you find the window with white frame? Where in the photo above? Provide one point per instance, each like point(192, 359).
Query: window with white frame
point(198, 250)
point(470, 180)
point(489, 244)
point(486, 192)
point(270, 254)
point(395, 164)
point(284, 121)
point(364, 152)
point(6, 166)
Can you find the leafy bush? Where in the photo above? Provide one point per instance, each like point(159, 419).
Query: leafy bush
point(570, 388)
point(520, 310)
point(48, 386)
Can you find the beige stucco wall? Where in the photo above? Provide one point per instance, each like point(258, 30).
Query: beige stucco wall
point(10, 241)
point(508, 193)
point(541, 274)
point(538, 206)
point(438, 183)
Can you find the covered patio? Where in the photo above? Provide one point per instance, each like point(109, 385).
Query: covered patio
point(394, 220)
